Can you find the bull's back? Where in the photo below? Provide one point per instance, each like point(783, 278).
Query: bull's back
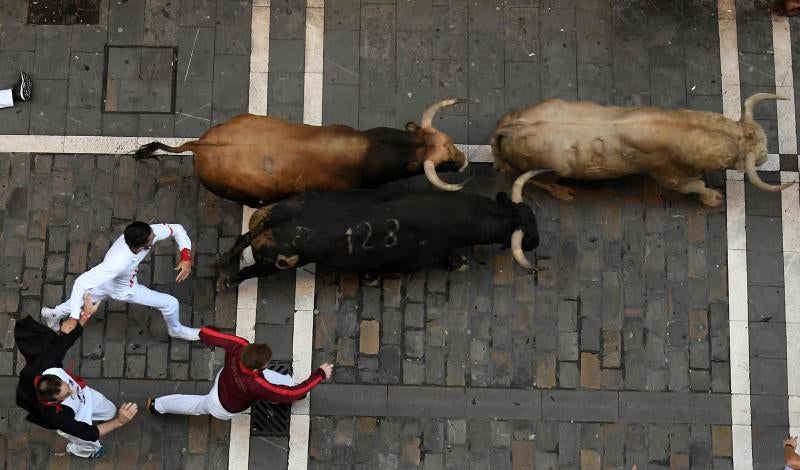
point(587, 140)
point(261, 158)
point(377, 229)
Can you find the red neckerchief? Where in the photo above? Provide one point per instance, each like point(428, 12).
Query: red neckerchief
point(57, 404)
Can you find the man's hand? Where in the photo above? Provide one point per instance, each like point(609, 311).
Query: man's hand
point(790, 441)
point(126, 412)
point(89, 307)
point(328, 369)
point(68, 325)
point(183, 268)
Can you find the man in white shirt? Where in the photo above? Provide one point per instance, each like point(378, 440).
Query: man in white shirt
point(115, 277)
point(59, 400)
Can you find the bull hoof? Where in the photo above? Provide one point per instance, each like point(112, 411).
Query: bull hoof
point(370, 280)
point(224, 283)
point(563, 193)
point(711, 198)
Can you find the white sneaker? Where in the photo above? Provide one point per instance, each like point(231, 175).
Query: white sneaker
point(51, 318)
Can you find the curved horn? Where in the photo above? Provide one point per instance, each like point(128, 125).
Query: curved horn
point(751, 102)
point(755, 180)
point(430, 173)
point(516, 249)
point(518, 235)
point(519, 183)
point(427, 116)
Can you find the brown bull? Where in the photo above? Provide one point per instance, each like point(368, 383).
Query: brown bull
point(584, 140)
point(258, 160)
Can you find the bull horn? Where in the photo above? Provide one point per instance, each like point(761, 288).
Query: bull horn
point(430, 173)
point(751, 102)
point(427, 116)
point(516, 249)
point(518, 235)
point(519, 184)
point(755, 180)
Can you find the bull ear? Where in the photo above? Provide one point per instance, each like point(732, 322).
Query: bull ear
point(411, 126)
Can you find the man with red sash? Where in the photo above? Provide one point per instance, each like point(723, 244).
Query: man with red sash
point(242, 381)
point(56, 398)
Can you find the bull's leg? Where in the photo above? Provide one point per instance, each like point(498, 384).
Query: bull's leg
point(549, 184)
point(454, 262)
point(232, 278)
point(232, 256)
point(708, 196)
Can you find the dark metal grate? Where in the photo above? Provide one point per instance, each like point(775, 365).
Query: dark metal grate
point(63, 11)
point(271, 419)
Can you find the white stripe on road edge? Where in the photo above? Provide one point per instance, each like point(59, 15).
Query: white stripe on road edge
point(741, 432)
point(247, 296)
point(302, 340)
point(790, 217)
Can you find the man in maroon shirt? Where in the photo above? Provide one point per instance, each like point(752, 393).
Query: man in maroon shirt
point(242, 381)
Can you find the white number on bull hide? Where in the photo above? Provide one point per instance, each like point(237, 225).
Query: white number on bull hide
point(390, 239)
point(392, 226)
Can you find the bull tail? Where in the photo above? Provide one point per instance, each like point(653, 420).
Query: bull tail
point(148, 150)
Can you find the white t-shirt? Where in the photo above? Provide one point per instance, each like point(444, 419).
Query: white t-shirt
point(79, 401)
point(117, 272)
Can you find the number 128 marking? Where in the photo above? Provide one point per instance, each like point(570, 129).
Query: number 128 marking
point(391, 226)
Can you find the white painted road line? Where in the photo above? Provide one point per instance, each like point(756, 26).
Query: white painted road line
point(737, 255)
point(247, 295)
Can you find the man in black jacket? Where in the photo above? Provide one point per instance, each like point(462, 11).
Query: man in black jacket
point(57, 399)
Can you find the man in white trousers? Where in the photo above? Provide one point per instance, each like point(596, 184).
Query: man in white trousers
point(243, 380)
point(21, 91)
point(115, 277)
point(58, 399)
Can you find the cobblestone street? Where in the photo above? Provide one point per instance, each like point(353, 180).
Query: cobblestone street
point(655, 330)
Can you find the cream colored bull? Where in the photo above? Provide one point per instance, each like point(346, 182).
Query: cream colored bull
point(584, 140)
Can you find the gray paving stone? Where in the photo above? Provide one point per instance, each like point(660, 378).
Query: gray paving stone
point(52, 53)
point(197, 13)
point(503, 404)
point(426, 402)
point(341, 61)
point(767, 340)
point(284, 90)
point(126, 22)
point(228, 70)
point(287, 20)
point(232, 32)
point(766, 375)
point(674, 408)
point(579, 405)
point(342, 15)
point(195, 55)
point(761, 268)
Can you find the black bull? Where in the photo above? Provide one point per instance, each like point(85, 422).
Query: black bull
point(379, 231)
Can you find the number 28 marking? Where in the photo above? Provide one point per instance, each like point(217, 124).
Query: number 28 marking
point(391, 226)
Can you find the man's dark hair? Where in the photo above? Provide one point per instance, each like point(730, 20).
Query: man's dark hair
point(48, 388)
point(136, 234)
point(256, 356)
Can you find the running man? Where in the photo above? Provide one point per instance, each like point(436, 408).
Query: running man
point(243, 380)
point(116, 277)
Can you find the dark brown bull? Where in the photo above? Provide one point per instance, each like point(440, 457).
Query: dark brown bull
point(258, 160)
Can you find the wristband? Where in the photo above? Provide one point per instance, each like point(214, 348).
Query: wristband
point(186, 254)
